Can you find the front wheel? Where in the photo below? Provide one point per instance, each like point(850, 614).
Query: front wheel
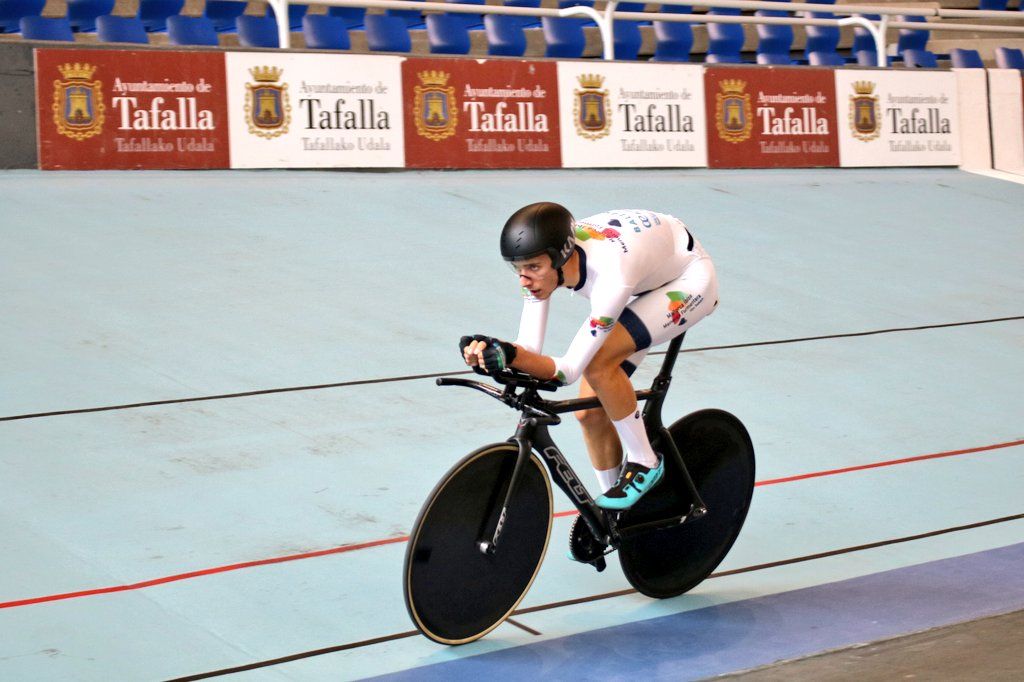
point(720, 458)
point(455, 593)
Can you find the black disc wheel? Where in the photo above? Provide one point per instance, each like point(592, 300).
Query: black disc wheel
point(455, 593)
point(720, 458)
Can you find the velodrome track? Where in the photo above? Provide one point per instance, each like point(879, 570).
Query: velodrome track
point(218, 418)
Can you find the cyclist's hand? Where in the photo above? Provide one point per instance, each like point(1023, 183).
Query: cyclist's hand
point(490, 354)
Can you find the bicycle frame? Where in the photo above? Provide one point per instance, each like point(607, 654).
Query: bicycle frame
point(532, 435)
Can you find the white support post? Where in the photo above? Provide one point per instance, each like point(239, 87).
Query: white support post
point(608, 45)
point(878, 33)
point(284, 31)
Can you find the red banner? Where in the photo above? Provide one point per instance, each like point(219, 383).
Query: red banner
point(765, 117)
point(461, 113)
point(131, 109)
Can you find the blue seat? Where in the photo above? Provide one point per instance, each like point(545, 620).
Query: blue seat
point(993, 5)
point(869, 58)
point(257, 31)
point(505, 35)
point(413, 18)
point(966, 59)
point(82, 13)
point(823, 58)
point(862, 38)
point(725, 41)
point(673, 41)
point(1009, 58)
point(325, 32)
point(223, 14)
point(183, 30)
point(632, 7)
point(912, 38)
point(447, 34)
point(387, 33)
point(564, 37)
point(922, 59)
point(626, 39)
point(153, 13)
point(472, 21)
point(111, 29)
point(676, 9)
point(528, 22)
point(774, 40)
point(823, 40)
point(352, 16)
point(295, 15)
point(44, 28)
point(11, 12)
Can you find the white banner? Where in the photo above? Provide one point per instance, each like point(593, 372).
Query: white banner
point(315, 110)
point(649, 115)
point(897, 118)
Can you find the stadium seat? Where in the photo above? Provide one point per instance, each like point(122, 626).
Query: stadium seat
point(993, 5)
point(824, 40)
point(387, 33)
point(111, 29)
point(447, 34)
point(774, 40)
point(44, 28)
point(325, 32)
point(725, 41)
point(257, 31)
point(862, 38)
point(922, 59)
point(564, 37)
point(824, 58)
point(676, 9)
point(528, 22)
point(471, 21)
point(11, 12)
point(632, 7)
point(183, 30)
point(223, 14)
point(413, 18)
point(295, 14)
point(82, 13)
point(505, 35)
point(1009, 58)
point(153, 13)
point(562, 4)
point(673, 41)
point(966, 59)
point(626, 39)
point(866, 57)
point(911, 38)
point(352, 16)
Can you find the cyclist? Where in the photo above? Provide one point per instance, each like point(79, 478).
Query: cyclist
point(647, 279)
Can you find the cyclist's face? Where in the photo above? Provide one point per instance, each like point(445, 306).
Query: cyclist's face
point(536, 275)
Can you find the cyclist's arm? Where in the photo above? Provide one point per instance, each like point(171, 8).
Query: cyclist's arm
point(532, 325)
point(606, 306)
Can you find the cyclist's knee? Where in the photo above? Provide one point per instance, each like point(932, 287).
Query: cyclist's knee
point(599, 374)
point(591, 418)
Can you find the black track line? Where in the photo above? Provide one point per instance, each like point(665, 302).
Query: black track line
point(434, 375)
point(596, 597)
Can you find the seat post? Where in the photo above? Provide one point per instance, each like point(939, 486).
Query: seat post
point(671, 353)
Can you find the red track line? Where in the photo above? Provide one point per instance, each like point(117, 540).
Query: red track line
point(405, 538)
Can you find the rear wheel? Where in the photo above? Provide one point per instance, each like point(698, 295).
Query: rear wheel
point(720, 458)
point(454, 592)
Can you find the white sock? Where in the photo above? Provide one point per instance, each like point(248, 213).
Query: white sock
point(606, 478)
point(634, 440)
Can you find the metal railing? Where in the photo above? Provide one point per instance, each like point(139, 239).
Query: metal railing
point(605, 20)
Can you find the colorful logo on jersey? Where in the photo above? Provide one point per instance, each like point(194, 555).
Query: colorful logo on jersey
point(601, 324)
point(434, 108)
point(865, 117)
point(560, 377)
point(78, 102)
point(679, 304)
point(586, 232)
point(734, 115)
point(592, 109)
point(267, 110)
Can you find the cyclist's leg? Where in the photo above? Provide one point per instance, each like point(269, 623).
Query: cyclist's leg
point(602, 442)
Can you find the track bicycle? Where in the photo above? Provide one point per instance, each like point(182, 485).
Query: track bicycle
point(482, 533)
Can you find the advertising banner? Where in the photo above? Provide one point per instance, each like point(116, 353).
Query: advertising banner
point(624, 115)
point(315, 110)
point(898, 118)
point(1006, 97)
point(465, 113)
point(130, 109)
point(768, 117)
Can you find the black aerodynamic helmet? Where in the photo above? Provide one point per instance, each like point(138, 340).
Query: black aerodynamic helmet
point(544, 227)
